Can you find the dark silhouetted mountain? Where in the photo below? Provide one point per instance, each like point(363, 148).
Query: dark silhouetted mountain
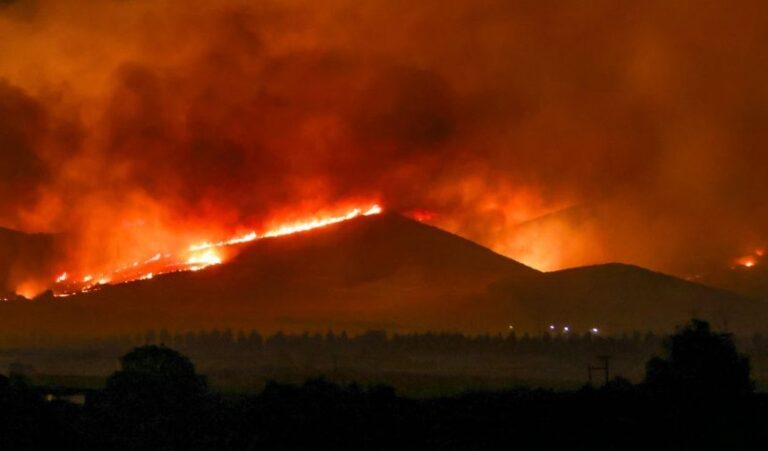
point(751, 282)
point(618, 297)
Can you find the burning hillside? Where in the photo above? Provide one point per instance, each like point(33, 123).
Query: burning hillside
point(382, 271)
point(195, 257)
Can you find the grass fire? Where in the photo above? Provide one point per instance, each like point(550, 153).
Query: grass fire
point(381, 224)
point(197, 256)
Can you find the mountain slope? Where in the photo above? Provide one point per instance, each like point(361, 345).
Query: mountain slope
point(752, 282)
point(384, 272)
point(619, 298)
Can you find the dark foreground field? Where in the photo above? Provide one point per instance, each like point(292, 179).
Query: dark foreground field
point(698, 395)
point(319, 415)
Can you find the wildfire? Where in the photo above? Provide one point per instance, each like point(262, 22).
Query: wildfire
point(421, 215)
point(751, 260)
point(288, 229)
point(204, 260)
point(195, 257)
point(316, 223)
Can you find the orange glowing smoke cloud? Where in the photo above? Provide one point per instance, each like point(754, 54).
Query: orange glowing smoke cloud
point(649, 117)
point(196, 257)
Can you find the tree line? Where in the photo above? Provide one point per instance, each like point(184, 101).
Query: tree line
point(696, 394)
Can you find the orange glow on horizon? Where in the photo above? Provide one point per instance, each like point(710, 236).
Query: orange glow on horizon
point(30, 289)
point(750, 261)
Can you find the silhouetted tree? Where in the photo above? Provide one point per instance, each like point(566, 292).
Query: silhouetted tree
point(150, 337)
point(700, 361)
point(156, 401)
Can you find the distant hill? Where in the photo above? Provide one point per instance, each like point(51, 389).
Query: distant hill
point(752, 282)
point(384, 272)
point(619, 297)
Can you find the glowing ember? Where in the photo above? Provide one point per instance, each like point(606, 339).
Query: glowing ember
point(239, 240)
point(288, 229)
point(317, 223)
point(751, 260)
point(200, 261)
point(196, 257)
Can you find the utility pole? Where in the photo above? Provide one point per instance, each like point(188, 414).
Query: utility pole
point(605, 368)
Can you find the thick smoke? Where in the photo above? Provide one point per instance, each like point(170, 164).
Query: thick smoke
point(635, 130)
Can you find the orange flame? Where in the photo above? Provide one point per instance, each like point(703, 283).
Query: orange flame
point(751, 260)
point(204, 260)
point(288, 229)
point(196, 256)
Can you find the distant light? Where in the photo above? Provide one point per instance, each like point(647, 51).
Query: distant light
point(551, 327)
point(511, 327)
point(566, 329)
point(594, 330)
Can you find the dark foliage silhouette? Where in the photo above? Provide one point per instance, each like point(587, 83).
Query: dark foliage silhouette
point(700, 361)
point(28, 422)
point(155, 401)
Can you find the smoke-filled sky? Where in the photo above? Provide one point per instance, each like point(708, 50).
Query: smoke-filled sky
point(635, 130)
